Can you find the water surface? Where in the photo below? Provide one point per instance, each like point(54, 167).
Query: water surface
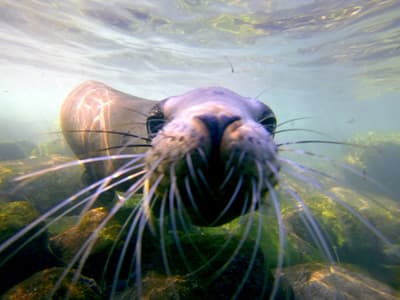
point(336, 61)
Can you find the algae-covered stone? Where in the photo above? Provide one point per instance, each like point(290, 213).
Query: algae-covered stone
point(42, 285)
point(356, 229)
point(45, 190)
point(15, 150)
point(51, 147)
point(213, 262)
point(103, 243)
point(219, 263)
point(160, 287)
point(316, 281)
point(27, 254)
point(378, 160)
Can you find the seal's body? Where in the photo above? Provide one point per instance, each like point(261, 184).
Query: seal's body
point(96, 118)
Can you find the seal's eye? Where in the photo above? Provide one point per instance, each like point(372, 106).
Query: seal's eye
point(269, 122)
point(154, 124)
point(155, 121)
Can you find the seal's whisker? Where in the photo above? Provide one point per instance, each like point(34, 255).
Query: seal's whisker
point(301, 130)
point(184, 218)
point(292, 120)
point(312, 181)
point(229, 161)
point(282, 239)
point(108, 184)
point(122, 147)
point(129, 221)
point(230, 202)
point(85, 249)
point(135, 187)
point(141, 219)
point(204, 180)
point(253, 256)
point(228, 240)
point(241, 158)
point(82, 254)
point(122, 133)
point(191, 170)
point(191, 198)
point(133, 220)
point(174, 194)
point(245, 235)
point(162, 233)
point(227, 178)
point(42, 229)
point(311, 224)
point(203, 156)
point(303, 168)
point(162, 229)
point(318, 142)
point(138, 255)
point(364, 221)
point(336, 180)
point(52, 211)
point(187, 183)
point(345, 166)
point(77, 163)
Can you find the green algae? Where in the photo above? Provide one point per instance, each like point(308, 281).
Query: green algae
point(14, 216)
point(378, 160)
point(42, 284)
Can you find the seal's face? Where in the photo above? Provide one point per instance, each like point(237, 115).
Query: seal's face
point(212, 151)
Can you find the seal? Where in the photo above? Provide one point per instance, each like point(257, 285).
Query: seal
point(210, 152)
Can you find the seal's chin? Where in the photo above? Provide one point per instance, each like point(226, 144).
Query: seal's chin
point(220, 169)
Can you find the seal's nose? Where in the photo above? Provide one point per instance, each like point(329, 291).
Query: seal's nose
point(216, 125)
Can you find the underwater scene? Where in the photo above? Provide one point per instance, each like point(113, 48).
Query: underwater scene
point(197, 149)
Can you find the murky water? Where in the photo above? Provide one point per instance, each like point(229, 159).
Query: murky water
point(337, 63)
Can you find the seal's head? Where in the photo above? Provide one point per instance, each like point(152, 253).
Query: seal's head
point(213, 154)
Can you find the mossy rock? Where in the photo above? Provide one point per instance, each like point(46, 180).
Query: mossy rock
point(377, 160)
point(199, 260)
point(43, 191)
point(56, 146)
point(15, 150)
point(42, 284)
point(159, 287)
point(317, 281)
point(30, 252)
point(357, 237)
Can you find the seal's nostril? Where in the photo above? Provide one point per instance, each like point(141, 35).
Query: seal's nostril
point(217, 125)
point(220, 122)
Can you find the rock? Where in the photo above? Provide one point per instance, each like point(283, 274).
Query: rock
point(162, 287)
point(43, 191)
point(41, 285)
point(216, 263)
point(15, 150)
point(379, 159)
point(349, 239)
point(23, 257)
point(316, 281)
